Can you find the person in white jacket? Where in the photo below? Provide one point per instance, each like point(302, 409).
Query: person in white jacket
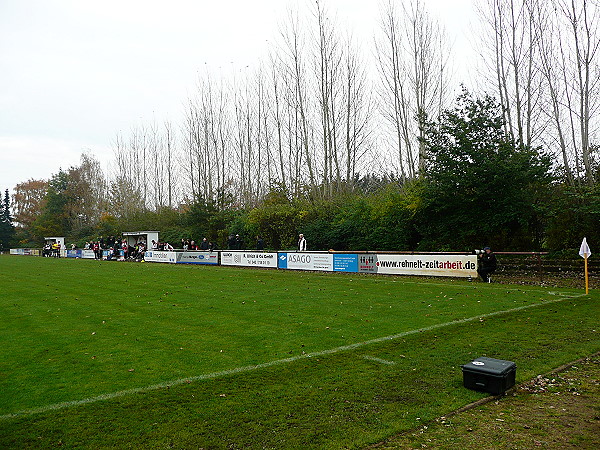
point(301, 243)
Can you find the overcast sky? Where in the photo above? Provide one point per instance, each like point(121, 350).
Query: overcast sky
point(74, 73)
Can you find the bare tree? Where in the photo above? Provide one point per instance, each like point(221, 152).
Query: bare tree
point(169, 144)
point(412, 57)
point(125, 196)
point(358, 113)
point(583, 17)
point(293, 58)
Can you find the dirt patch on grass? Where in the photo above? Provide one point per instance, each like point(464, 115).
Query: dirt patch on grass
point(560, 410)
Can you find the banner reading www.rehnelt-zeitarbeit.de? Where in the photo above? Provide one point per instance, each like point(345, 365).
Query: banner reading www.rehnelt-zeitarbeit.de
point(427, 265)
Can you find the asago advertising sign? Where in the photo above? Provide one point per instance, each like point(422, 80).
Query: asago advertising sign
point(249, 259)
point(306, 261)
point(164, 257)
point(428, 265)
point(197, 258)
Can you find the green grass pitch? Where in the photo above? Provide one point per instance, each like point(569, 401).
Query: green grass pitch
point(105, 354)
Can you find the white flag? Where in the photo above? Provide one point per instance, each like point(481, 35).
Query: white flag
point(584, 250)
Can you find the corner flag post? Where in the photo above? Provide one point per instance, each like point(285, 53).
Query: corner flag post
point(585, 252)
point(587, 290)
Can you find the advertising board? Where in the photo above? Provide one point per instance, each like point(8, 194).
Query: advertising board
point(119, 255)
point(87, 254)
point(367, 263)
point(249, 259)
point(345, 262)
point(306, 261)
point(74, 253)
point(164, 257)
point(25, 251)
point(197, 258)
point(464, 266)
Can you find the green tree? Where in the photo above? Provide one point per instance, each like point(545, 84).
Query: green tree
point(278, 220)
point(575, 214)
point(7, 229)
point(481, 187)
point(54, 219)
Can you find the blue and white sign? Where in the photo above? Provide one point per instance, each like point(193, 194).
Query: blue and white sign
point(345, 262)
point(306, 261)
point(164, 257)
point(198, 258)
point(73, 253)
point(282, 260)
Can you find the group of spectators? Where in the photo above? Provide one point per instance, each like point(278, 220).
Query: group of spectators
point(51, 250)
point(235, 242)
point(204, 246)
point(114, 247)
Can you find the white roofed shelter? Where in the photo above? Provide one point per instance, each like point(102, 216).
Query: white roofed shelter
point(134, 237)
point(60, 240)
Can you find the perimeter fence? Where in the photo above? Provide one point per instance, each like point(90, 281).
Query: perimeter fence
point(538, 268)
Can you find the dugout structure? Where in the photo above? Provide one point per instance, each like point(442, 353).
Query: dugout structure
point(59, 240)
point(134, 237)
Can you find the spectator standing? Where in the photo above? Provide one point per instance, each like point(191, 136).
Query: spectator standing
point(487, 264)
point(239, 242)
point(301, 243)
point(56, 250)
point(260, 244)
point(204, 245)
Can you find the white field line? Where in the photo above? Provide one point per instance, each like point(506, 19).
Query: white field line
point(379, 360)
point(237, 370)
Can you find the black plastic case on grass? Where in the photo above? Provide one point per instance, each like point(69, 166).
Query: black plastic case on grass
point(494, 376)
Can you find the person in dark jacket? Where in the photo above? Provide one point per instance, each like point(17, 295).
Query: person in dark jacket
point(204, 245)
point(487, 264)
point(231, 242)
point(239, 242)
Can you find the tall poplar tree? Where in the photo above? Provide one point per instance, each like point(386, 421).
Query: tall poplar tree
point(7, 229)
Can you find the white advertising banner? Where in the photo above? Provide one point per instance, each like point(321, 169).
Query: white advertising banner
point(249, 259)
point(164, 257)
point(87, 254)
point(428, 265)
point(197, 258)
point(306, 261)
